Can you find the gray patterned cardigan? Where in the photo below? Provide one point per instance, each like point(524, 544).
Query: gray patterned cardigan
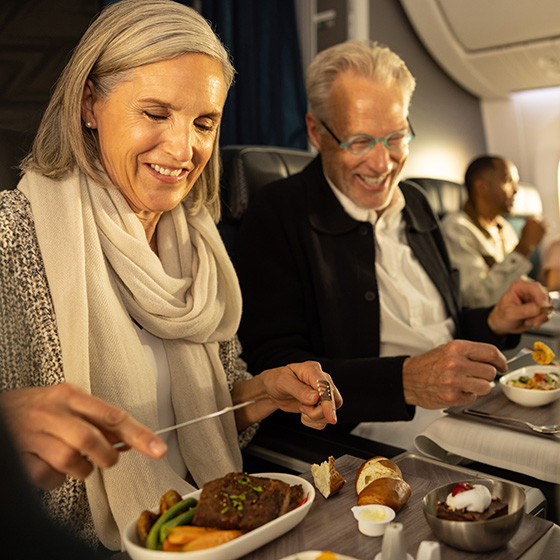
point(30, 352)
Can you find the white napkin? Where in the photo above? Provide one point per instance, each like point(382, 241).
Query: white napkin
point(450, 439)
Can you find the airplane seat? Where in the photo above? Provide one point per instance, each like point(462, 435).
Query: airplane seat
point(527, 203)
point(444, 196)
point(245, 169)
point(14, 146)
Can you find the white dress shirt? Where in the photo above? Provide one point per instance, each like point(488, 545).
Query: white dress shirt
point(485, 256)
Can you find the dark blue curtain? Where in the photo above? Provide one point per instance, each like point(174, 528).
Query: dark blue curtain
point(266, 104)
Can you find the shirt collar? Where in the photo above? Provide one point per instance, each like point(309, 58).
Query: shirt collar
point(370, 215)
point(479, 222)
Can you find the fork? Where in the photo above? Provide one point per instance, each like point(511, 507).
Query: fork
point(522, 352)
point(547, 429)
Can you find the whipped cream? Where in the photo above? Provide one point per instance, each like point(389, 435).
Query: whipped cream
point(477, 499)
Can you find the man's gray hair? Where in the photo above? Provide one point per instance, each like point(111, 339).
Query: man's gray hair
point(366, 58)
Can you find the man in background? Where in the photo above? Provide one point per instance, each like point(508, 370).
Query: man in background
point(350, 268)
point(482, 244)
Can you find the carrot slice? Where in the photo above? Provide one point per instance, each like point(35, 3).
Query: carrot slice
point(183, 534)
point(211, 540)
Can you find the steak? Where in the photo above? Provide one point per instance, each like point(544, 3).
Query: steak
point(243, 502)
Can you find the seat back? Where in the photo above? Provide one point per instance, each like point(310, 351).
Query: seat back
point(444, 196)
point(245, 170)
point(528, 201)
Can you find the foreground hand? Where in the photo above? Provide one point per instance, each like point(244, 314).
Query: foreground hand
point(451, 375)
point(525, 305)
point(292, 389)
point(62, 430)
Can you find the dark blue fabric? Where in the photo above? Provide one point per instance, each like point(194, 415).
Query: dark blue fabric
point(266, 104)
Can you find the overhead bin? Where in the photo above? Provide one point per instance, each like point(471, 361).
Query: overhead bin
point(491, 48)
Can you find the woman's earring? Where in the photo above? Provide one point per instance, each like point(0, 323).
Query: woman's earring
point(88, 124)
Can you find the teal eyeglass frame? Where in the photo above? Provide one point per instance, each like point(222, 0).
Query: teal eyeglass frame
point(408, 133)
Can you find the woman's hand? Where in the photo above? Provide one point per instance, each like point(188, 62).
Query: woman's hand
point(292, 389)
point(62, 430)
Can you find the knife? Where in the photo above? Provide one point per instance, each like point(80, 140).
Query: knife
point(193, 421)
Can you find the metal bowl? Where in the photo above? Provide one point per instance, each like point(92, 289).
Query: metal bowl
point(477, 536)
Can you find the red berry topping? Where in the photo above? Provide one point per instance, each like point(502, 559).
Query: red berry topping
point(461, 487)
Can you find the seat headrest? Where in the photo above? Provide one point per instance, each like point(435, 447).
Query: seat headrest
point(444, 196)
point(527, 201)
point(248, 168)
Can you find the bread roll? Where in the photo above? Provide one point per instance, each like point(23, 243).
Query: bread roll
point(374, 468)
point(379, 481)
point(390, 492)
point(326, 478)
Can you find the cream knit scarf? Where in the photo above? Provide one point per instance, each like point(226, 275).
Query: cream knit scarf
point(101, 272)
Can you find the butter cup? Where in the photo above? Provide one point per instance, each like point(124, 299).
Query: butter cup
point(373, 528)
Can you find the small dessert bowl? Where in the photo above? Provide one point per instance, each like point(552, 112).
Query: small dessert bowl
point(477, 536)
point(529, 397)
point(373, 519)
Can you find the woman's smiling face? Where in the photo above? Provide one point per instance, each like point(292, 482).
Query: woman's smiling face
point(156, 129)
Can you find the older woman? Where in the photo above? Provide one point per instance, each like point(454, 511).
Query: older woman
point(117, 292)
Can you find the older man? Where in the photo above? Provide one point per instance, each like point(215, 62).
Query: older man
point(482, 244)
point(350, 269)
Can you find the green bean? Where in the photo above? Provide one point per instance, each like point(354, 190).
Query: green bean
point(184, 518)
point(153, 541)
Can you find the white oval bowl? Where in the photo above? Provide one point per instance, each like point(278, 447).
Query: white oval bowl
point(529, 397)
point(237, 547)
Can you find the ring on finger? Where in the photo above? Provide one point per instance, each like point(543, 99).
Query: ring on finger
point(324, 389)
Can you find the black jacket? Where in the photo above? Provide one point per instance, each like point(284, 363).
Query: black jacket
point(310, 290)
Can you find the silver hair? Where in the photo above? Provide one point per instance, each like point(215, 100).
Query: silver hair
point(366, 58)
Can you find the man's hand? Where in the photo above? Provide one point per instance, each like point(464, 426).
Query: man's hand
point(62, 430)
point(525, 305)
point(292, 389)
point(531, 235)
point(452, 374)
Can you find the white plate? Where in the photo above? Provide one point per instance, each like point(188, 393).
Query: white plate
point(237, 547)
point(313, 554)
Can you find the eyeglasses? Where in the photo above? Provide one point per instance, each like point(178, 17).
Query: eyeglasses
point(362, 143)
